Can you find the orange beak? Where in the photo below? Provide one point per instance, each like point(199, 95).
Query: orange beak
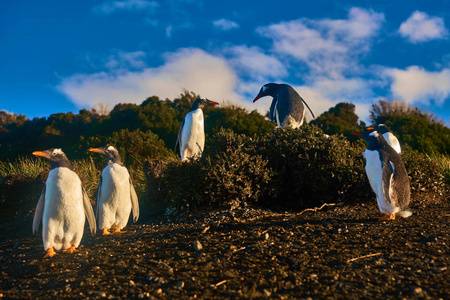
point(39, 153)
point(95, 150)
point(370, 128)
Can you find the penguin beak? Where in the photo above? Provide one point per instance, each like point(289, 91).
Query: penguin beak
point(95, 150)
point(370, 128)
point(212, 102)
point(257, 97)
point(357, 133)
point(39, 153)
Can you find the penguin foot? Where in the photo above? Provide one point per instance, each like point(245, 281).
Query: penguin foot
point(117, 231)
point(50, 252)
point(105, 231)
point(72, 249)
point(386, 217)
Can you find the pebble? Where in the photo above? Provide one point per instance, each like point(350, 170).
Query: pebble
point(179, 284)
point(197, 245)
point(131, 282)
point(266, 236)
point(418, 290)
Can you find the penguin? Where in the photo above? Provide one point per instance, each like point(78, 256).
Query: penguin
point(287, 106)
point(116, 196)
point(390, 138)
point(191, 135)
point(62, 206)
point(387, 176)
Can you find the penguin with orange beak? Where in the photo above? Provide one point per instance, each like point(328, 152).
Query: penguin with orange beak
point(191, 135)
point(287, 107)
point(116, 196)
point(62, 206)
point(387, 176)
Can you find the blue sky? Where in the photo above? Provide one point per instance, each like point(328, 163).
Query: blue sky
point(61, 56)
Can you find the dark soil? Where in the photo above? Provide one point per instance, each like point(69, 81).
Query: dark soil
point(340, 252)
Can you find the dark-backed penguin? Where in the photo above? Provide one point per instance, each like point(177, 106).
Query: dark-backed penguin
point(62, 206)
point(390, 138)
point(287, 107)
point(191, 136)
point(116, 196)
point(387, 176)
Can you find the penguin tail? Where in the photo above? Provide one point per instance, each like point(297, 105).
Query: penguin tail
point(405, 213)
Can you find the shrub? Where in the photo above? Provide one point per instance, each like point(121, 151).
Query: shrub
point(284, 169)
point(312, 168)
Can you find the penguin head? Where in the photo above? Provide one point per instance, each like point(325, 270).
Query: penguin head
point(111, 154)
point(381, 128)
point(269, 89)
point(202, 102)
point(374, 139)
point(56, 158)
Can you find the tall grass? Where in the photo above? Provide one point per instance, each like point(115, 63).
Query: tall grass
point(443, 160)
point(26, 166)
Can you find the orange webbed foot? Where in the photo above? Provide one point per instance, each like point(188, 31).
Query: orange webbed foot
point(72, 249)
point(105, 231)
point(386, 217)
point(50, 252)
point(117, 231)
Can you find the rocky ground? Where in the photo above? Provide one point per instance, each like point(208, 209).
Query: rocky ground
point(338, 252)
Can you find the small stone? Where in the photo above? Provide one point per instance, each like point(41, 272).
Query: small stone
point(131, 282)
point(197, 245)
point(266, 236)
point(418, 290)
point(159, 291)
point(179, 284)
point(267, 293)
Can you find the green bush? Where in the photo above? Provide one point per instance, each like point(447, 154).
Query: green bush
point(312, 168)
point(284, 169)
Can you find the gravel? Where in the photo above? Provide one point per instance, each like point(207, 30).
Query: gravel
point(337, 252)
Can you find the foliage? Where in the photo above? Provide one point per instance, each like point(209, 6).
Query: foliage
point(415, 130)
point(312, 169)
point(284, 169)
point(340, 119)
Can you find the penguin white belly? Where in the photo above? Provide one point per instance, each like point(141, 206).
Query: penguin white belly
point(63, 218)
point(374, 172)
point(193, 135)
point(115, 202)
point(392, 141)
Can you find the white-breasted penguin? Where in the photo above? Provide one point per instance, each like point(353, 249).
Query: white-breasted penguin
point(387, 176)
point(116, 196)
point(390, 138)
point(62, 206)
point(191, 135)
point(287, 107)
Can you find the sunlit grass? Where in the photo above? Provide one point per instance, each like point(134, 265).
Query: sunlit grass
point(443, 160)
point(26, 166)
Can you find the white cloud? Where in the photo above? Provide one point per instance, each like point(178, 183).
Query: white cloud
point(224, 24)
point(191, 69)
point(109, 7)
point(417, 85)
point(254, 63)
point(420, 27)
point(327, 47)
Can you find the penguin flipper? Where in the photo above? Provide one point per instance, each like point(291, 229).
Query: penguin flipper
point(39, 212)
point(387, 182)
point(273, 107)
point(99, 195)
point(89, 212)
point(134, 202)
point(180, 132)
